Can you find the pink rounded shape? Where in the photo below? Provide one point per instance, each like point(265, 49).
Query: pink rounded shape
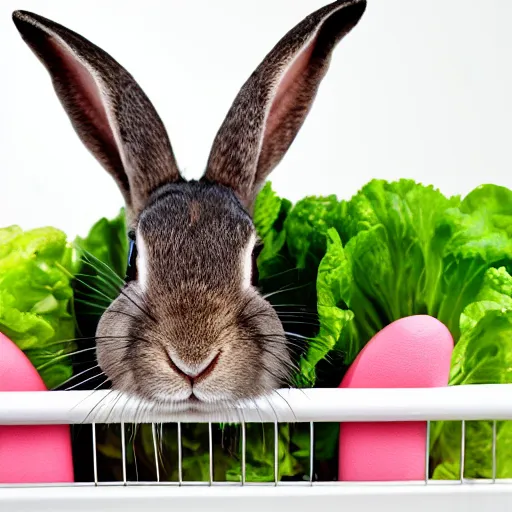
point(413, 352)
point(30, 454)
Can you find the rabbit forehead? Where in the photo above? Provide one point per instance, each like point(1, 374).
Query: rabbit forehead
point(194, 232)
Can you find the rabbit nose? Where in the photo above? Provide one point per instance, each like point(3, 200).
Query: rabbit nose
point(194, 373)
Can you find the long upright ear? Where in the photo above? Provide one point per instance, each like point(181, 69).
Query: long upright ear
point(274, 102)
point(107, 108)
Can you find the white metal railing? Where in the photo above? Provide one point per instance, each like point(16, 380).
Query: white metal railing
point(474, 402)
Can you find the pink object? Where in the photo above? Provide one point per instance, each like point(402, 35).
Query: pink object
point(30, 454)
point(413, 352)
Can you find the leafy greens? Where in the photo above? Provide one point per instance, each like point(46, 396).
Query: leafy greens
point(36, 298)
point(337, 272)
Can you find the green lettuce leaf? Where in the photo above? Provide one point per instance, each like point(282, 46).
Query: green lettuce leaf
point(270, 212)
point(334, 282)
point(307, 225)
point(384, 263)
point(483, 355)
point(410, 250)
point(36, 298)
point(103, 261)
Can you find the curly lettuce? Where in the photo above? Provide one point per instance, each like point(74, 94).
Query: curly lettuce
point(406, 249)
point(36, 295)
point(483, 355)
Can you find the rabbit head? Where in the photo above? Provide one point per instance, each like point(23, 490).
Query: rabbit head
point(189, 328)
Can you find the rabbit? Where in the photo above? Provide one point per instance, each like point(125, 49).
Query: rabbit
point(189, 329)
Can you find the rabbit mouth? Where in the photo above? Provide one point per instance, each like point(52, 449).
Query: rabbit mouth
point(194, 403)
point(193, 406)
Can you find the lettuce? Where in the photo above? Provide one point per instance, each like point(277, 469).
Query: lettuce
point(103, 258)
point(337, 272)
point(333, 283)
point(307, 225)
point(36, 298)
point(408, 250)
point(483, 355)
point(270, 210)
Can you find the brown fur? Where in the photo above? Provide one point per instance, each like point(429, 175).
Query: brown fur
point(195, 212)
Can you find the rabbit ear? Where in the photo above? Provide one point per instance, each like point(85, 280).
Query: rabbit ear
point(272, 105)
point(107, 108)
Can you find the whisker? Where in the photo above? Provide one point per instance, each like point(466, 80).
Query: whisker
point(286, 289)
point(288, 364)
point(92, 300)
point(75, 376)
point(279, 379)
point(288, 404)
point(79, 339)
point(298, 314)
point(273, 409)
point(111, 273)
point(298, 322)
point(295, 335)
point(98, 403)
point(100, 278)
point(158, 452)
point(282, 273)
point(277, 340)
point(91, 304)
point(151, 317)
point(69, 274)
point(62, 342)
point(92, 313)
point(120, 281)
point(303, 306)
point(124, 407)
point(84, 381)
point(257, 410)
point(64, 356)
point(115, 311)
point(70, 354)
point(109, 299)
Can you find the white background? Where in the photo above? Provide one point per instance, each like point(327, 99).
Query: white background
point(419, 89)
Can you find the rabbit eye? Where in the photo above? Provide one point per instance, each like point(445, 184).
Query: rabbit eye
point(255, 277)
point(131, 271)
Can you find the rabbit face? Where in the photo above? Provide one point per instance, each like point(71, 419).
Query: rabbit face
point(190, 328)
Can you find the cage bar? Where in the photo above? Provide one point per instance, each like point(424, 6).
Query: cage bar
point(210, 452)
point(94, 455)
point(244, 452)
point(155, 448)
point(123, 452)
point(180, 456)
point(462, 450)
point(494, 450)
point(276, 453)
point(311, 452)
point(427, 453)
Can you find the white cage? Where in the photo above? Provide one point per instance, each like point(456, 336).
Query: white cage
point(311, 406)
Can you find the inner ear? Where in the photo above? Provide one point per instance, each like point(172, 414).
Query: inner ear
point(81, 92)
point(287, 92)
